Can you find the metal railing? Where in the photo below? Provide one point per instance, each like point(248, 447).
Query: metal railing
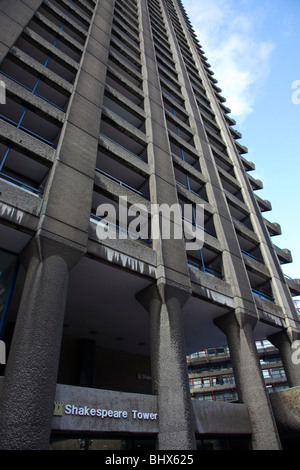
point(118, 229)
point(262, 295)
point(28, 131)
point(191, 191)
point(204, 269)
point(121, 146)
point(121, 183)
point(252, 256)
point(33, 91)
point(21, 184)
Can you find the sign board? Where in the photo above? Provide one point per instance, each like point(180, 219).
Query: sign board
point(84, 409)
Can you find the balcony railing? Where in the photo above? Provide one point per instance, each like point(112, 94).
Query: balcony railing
point(252, 256)
point(191, 191)
point(20, 183)
point(121, 146)
point(18, 125)
point(33, 90)
point(118, 229)
point(204, 269)
point(121, 183)
point(263, 296)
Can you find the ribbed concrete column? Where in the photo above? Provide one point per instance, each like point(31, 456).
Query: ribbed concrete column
point(27, 396)
point(249, 380)
point(169, 367)
point(29, 386)
point(283, 341)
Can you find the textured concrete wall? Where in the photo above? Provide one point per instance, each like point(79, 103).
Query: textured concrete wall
point(209, 418)
point(129, 404)
point(286, 408)
point(221, 418)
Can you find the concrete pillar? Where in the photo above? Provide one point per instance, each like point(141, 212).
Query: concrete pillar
point(27, 396)
point(169, 368)
point(238, 328)
point(284, 342)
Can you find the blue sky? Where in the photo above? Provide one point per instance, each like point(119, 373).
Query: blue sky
point(253, 47)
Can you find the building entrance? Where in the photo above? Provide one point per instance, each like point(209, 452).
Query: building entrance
point(106, 443)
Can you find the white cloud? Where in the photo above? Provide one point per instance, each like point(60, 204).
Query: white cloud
point(239, 58)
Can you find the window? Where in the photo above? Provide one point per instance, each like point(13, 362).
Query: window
point(8, 268)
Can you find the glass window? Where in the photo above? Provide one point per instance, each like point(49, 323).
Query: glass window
point(266, 373)
point(8, 262)
point(197, 382)
point(276, 372)
point(220, 351)
point(208, 397)
point(228, 395)
point(206, 382)
point(219, 397)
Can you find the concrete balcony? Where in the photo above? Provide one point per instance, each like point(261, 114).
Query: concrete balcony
point(236, 203)
point(245, 232)
point(294, 285)
point(186, 167)
point(127, 53)
point(124, 86)
point(235, 134)
point(133, 35)
point(19, 206)
point(129, 42)
point(124, 107)
point(182, 129)
point(255, 183)
point(216, 140)
point(128, 18)
point(126, 66)
point(284, 255)
point(209, 117)
point(169, 87)
point(26, 62)
point(43, 45)
point(112, 149)
point(255, 266)
point(264, 204)
point(230, 121)
point(66, 38)
point(229, 182)
point(221, 155)
point(76, 29)
point(168, 76)
point(272, 227)
point(249, 166)
point(125, 127)
point(241, 148)
point(26, 143)
point(225, 109)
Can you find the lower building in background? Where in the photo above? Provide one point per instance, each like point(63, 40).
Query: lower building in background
point(211, 375)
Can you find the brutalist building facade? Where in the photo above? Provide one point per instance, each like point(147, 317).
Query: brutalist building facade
point(112, 104)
